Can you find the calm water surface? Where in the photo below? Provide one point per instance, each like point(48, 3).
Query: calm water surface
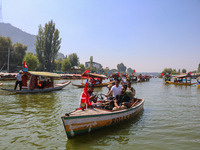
point(170, 120)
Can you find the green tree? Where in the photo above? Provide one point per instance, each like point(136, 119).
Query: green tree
point(179, 71)
point(58, 64)
point(47, 45)
point(31, 61)
point(82, 67)
point(167, 70)
point(130, 71)
point(18, 54)
point(66, 65)
point(198, 69)
point(5, 46)
point(74, 60)
point(15, 53)
point(174, 71)
point(184, 70)
point(39, 47)
point(121, 67)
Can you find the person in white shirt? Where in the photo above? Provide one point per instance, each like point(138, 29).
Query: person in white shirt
point(19, 80)
point(116, 89)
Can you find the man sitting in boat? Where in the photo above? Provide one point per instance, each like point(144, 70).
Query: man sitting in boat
point(130, 91)
point(92, 96)
point(110, 93)
point(116, 89)
point(122, 101)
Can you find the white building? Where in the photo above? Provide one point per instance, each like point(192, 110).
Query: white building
point(94, 65)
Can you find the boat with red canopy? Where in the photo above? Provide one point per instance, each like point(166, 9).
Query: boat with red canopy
point(93, 78)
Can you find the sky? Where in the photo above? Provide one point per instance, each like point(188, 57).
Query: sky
point(145, 35)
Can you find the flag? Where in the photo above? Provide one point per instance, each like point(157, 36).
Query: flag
point(118, 74)
point(162, 74)
point(24, 65)
point(86, 71)
point(134, 71)
point(85, 98)
point(25, 68)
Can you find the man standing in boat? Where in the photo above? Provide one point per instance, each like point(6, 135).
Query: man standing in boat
point(18, 80)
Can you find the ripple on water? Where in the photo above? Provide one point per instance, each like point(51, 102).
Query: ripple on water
point(170, 120)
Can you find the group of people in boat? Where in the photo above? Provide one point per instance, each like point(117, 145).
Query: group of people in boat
point(35, 81)
point(95, 81)
point(120, 95)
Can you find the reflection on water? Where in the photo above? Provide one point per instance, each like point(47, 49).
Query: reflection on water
point(170, 120)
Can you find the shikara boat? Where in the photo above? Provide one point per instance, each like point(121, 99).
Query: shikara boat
point(39, 82)
point(7, 76)
point(95, 79)
point(90, 119)
point(198, 82)
point(181, 80)
point(95, 85)
point(167, 77)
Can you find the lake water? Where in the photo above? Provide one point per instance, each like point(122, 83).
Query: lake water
point(170, 120)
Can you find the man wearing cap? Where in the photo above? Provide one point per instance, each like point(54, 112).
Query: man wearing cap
point(19, 80)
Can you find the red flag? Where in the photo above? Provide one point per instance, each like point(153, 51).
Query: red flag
point(162, 74)
point(24, 65)
point(86, 71)
point(134, 71)
point(85, 98)
point(118, 74)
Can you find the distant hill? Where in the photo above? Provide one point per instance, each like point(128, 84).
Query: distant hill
point(17, 35)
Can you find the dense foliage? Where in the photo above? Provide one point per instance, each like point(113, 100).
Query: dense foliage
point(31, 61)
point(74, 60)
point(121, 67)
point(12, 54)
point(47, 46)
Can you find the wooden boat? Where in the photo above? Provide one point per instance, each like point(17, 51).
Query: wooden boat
point(167, 77)
point(38, 86)
point(92, 77)
point(181, 80)
point(7, 76)
point(198, 82)
point(87, 120)
point(95, 85)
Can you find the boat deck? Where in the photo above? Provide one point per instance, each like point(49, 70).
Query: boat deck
point(100, 111)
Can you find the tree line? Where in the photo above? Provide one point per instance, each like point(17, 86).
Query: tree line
point(47, 46)
point(174, 71)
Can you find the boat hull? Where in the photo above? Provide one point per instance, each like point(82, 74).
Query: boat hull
point(57, 87)
point(79, 124)
point(186, 84)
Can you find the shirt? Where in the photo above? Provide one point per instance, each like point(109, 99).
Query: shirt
point(19, 77)
point(116, 90)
